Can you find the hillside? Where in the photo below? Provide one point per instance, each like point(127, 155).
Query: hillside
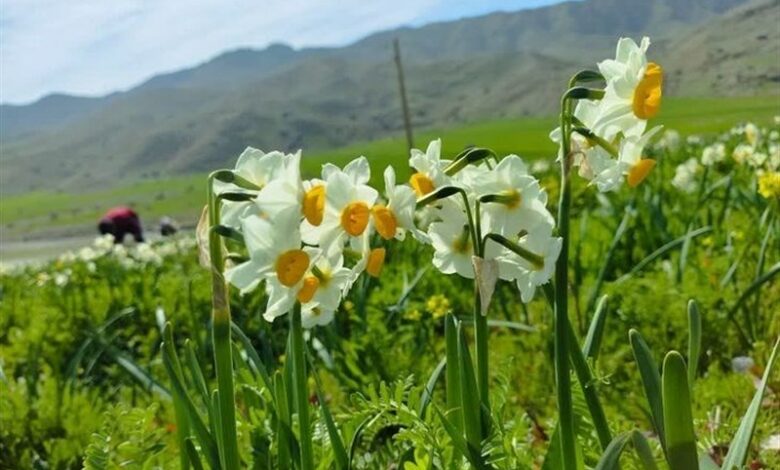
point(494, 66)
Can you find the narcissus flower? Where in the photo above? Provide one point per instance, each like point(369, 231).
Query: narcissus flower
point(347, 212)
point(634, 87)
point(397, 217)
point(429, 169)
point(276, 257)
point(516, 202)
point(258, 168)
point(713, 154)
point(452, 242)
point(685, 176)
point(525, 273)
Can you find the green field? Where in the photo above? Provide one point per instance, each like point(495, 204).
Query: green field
point(43, 214)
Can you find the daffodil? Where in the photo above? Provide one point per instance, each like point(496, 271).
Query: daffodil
point(526, 274)
point(346, 214)
point(259, 169)
point(452, 242)
point(276, 257)
point(713, 154)
point(429, 169)
point(634, 88)
point(288, 192)
point(515, 202)
point(397, 217)
point(685, 176)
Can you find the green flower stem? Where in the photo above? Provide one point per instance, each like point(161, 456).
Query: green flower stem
point(561, 337)
point(300, 394)
point(481, 346)
point(223, 359)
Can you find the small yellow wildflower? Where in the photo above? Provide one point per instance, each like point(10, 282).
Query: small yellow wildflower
point(438, 306)
point(769, 185)
point(413, 315)
point(707, 241)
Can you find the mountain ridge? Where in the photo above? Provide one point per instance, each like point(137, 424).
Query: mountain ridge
point(500, 64)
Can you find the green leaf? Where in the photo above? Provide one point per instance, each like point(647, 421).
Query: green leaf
point(694, 340)
point(643, 451)
point(651, 380)
point(678, 419)
point(610, 459)
point(470, 402)
point(427, 394)
point(192, 454)
point(172, 366)
point(472, 454)
point(738, 450)
point(663, 250)
point(336, 442)
point(592, 343)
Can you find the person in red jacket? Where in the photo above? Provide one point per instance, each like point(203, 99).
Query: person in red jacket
point(120, 221)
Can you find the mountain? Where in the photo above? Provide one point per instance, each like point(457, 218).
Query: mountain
point(501, 64)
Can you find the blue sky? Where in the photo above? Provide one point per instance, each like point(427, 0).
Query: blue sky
point(94, 47)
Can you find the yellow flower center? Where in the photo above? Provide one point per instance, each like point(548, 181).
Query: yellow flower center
point(421, 184)
point(385, 221)
point(512, 198)
point(314, 204)
point(291, 266)
point(647, 95)
point(310, 285)
point(376, 259)
point(354, 218)
point(461, 244)
point(639, 171)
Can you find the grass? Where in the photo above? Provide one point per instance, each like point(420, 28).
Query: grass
point(43, 214)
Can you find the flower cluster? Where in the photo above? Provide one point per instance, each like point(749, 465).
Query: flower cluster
point(609, 132)
point(747, 146)
point(498, 213)
point(308, 241)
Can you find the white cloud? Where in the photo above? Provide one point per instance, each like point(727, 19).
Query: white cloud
point(93, 47)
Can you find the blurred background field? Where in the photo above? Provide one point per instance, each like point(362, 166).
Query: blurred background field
point(49, 217)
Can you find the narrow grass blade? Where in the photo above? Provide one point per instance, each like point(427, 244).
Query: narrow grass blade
point(471, 453)
point(760, 281)
point(738, 450)
point(663, 250)
point(592, 343)
point(589, 392)
point(651, 381)
point(678, 419)
point(470, 403)
point(300, 393)
point(139, 373)
point(171, 363)
point(643, 451)
point(284, 436)
point(694, 340)
point(621, 230)
point(336, 441)
point(196, 372)
point(610, 459)
point(453, 371)
point(254, 357)
point(427, 394)
point(192, 454)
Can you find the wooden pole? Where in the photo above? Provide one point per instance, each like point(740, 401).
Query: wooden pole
point(404, 102)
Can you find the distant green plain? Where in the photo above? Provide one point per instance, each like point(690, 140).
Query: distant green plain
point(42, 214)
